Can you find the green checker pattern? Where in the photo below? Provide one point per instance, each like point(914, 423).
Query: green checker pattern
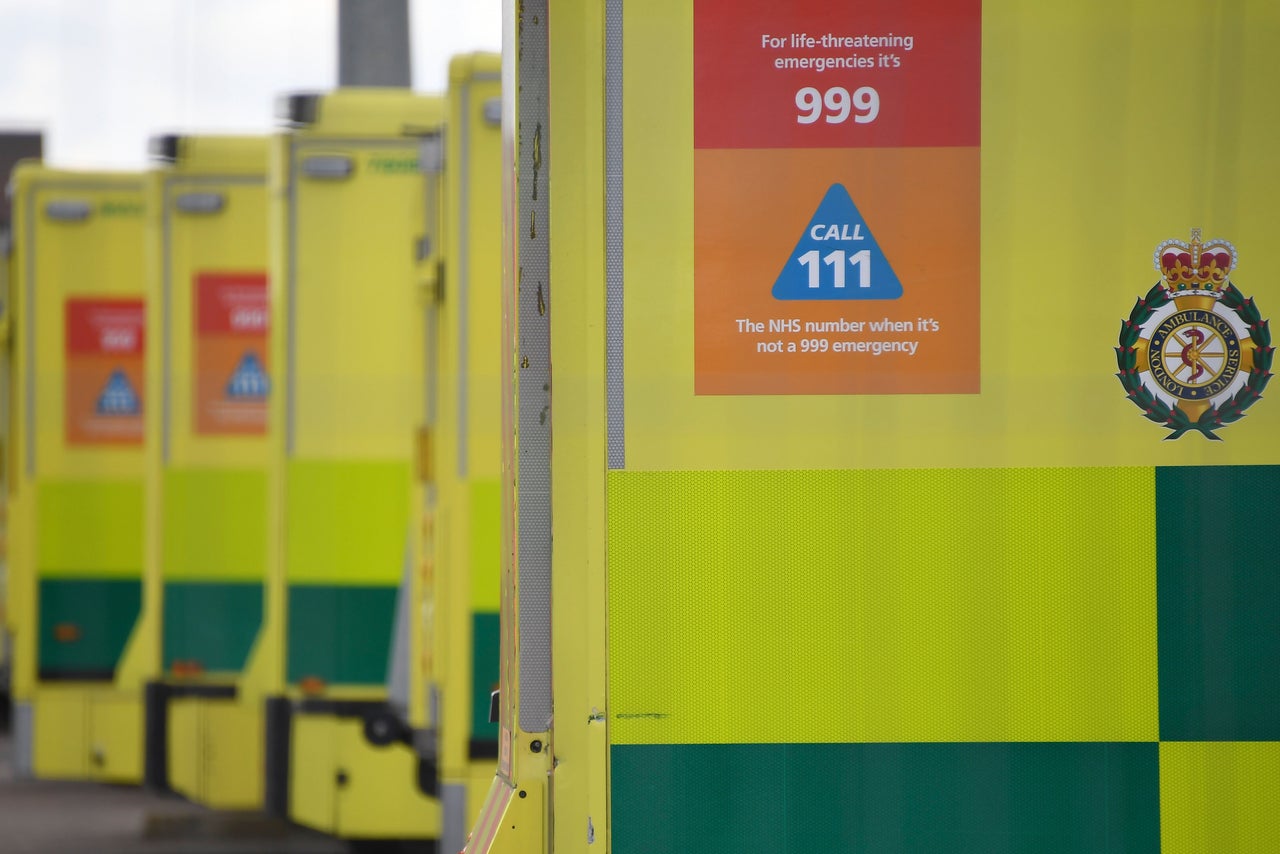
point(213, 623)
point(85, 624)
point(1194, 624)
point(911, 798)
point(485, 658)
point(340, 634)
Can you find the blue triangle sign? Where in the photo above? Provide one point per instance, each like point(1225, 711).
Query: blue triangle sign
point(118, 396)
point(248, 381)
point(837, 257)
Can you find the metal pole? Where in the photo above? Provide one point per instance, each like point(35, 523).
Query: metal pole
point(373, 43)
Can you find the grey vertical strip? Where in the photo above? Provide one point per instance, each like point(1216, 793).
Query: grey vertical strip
point(291, 297)
point(453, 806)
point(166, 309)
point(24, 738)
point(431, 323)
point(431, 156)
point(8, 383)
point(615, 388)
point(29, 332)
point(430, 343)
point(399, 656)
point(463, 272)
point(533, 354)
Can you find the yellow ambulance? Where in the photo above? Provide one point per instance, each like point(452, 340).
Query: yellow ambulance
point(891, 460)
point(85, 643)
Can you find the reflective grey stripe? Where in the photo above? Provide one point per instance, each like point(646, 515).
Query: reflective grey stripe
point(431, 155)
point(431, 161)
point(23, 741)
point(453, 805)
point(463, 266)
point(166, 337)
point(29, 332)
point(533, 372)
point(399, 656)
point(615, 389)
point(291, 296)
point(463, 161)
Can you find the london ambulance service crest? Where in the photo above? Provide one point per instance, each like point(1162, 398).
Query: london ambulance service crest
point(1194, 353)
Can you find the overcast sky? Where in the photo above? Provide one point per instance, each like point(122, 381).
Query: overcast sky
point(101, 76)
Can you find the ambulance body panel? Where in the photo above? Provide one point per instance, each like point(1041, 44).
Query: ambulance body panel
point(346, 224)
point(207, 462)
point(457, 494)
point(942, 586)
point(86, 643)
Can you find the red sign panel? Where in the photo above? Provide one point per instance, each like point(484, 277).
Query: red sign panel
point(885, 73)
point(105, 341)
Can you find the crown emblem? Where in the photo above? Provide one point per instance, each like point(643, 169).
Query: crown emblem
point(1195, 353)
point(1197, 268)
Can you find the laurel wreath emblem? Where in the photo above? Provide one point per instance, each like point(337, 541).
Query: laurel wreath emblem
point(1170, 417)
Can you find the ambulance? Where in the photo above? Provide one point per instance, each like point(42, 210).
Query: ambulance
point(85, 641)
point(975, 556)
point(206, 463)
point(347, 228)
